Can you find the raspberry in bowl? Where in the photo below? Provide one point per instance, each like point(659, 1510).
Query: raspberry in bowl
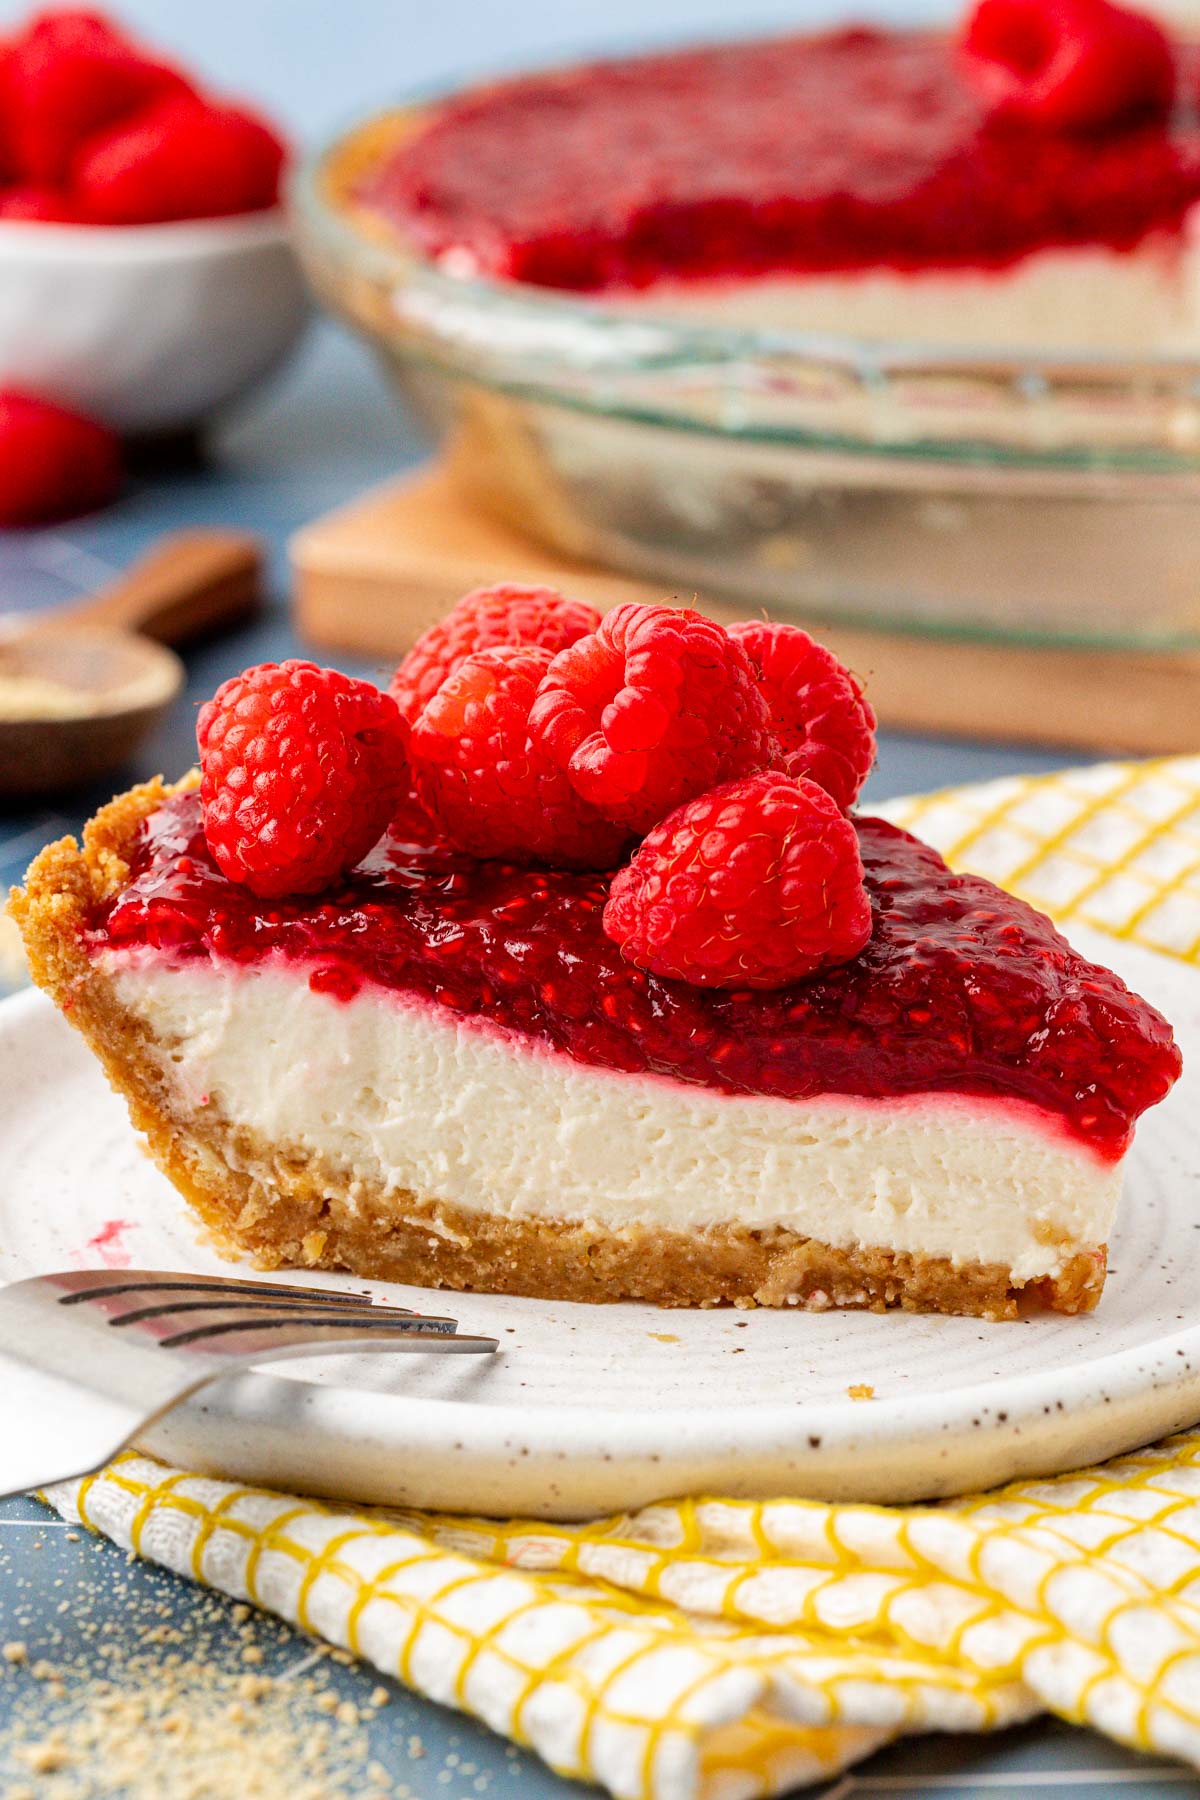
point(402, 985)
point(892, 323)
point(146, 274)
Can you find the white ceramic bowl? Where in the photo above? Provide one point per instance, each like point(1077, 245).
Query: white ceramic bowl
point(148, 327)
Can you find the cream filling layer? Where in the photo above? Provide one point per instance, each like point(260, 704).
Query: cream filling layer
point(1135, 302)
point(406, 1097)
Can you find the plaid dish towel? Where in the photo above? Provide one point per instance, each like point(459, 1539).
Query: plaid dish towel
point(712, 1649)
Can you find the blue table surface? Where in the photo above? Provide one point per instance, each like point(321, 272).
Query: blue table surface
point(324, 431)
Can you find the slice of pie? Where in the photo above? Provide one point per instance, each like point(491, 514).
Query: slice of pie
point(1028, 181)
point(442, 1071)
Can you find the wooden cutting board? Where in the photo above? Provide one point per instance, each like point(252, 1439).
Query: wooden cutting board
point(371, 576)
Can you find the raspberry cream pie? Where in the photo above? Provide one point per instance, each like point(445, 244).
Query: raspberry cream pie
point(782, 1056)
point(1028, 181)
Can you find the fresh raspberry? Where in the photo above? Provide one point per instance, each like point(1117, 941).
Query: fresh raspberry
point(181, 158)
point(53, 463)
point(493, 792)
point(302, 768)
point(1070, 65)
point(824, 726)
point(8, 160)
point(656, 706)
point(490, 616)
point(411, 821)
point(755, 885)
point(37, 205)
point(69, 75)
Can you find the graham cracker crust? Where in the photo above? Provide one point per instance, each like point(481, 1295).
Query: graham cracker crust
point(287, 1209)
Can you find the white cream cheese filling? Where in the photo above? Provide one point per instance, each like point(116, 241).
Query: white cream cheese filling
point(402, 1095)
point(1136, 302)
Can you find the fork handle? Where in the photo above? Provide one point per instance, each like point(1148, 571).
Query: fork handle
point(57, 1429)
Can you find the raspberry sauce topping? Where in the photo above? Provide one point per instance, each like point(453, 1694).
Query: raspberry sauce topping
point(850, 150)
point(961, 988)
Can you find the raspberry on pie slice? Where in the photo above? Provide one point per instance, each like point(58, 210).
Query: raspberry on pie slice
point(757, 884)
point(488, 618)
point(493, 792)
point(822, 721)
point(302, 771)
point(655, 706)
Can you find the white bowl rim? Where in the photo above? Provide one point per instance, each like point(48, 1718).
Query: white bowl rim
point(27, 240)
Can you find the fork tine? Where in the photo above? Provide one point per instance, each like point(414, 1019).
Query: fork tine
point(258, 1305)
point(268, 1338)
point(278, 1320)
point(95, 1284)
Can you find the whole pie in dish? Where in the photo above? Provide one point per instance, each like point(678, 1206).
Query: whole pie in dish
point(373, 1011)
point(1029, 180)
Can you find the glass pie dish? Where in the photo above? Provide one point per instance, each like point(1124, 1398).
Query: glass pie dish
point(1028, 496)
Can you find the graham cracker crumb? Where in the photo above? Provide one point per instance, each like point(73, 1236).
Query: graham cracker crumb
point(46, 1757)
point(253, 1687)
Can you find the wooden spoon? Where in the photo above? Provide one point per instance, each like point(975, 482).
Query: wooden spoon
point(81, 688)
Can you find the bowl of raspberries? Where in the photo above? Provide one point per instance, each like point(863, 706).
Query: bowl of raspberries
point(146, 274)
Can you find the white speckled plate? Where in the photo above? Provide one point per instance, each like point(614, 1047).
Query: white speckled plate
point(595, 1409)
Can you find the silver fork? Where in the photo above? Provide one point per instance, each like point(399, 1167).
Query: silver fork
point(90, 1357)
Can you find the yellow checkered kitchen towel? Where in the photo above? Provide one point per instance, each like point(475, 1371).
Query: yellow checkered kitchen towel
point(718, 1650)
